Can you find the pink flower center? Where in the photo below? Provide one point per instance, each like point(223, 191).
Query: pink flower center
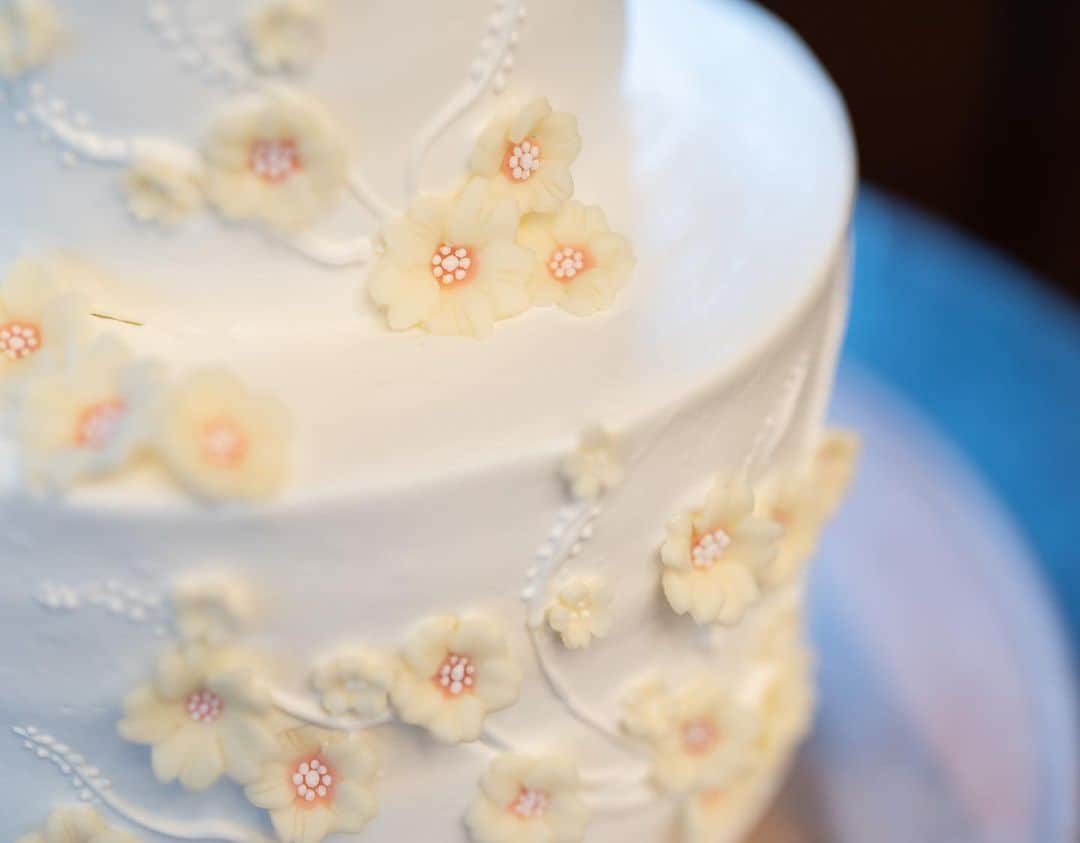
point(522, 160)
point(204, 706)
point(275, 160)
point(452, 264)
point(707, 549)
point(19, 339)
point(97, 424)
point(700, 737)
point(456, 675)
point(530, 804)
point(312, 780)
point(224, 443)
point(567, 262)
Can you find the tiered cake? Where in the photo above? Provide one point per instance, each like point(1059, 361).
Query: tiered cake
point(413, 416)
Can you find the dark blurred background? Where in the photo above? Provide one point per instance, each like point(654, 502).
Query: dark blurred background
point(969, 108)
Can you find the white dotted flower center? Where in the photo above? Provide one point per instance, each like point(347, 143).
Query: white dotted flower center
point(223, 443)
point(523, 160)
point(275, 160)
point(530, 804)
point(451, 264)
point(204, 706)
point(312, 780)
point(456, 675)
point(700, 736)
point(19, 339)
point(98, 424)
point(709, 548)
point(566, 262)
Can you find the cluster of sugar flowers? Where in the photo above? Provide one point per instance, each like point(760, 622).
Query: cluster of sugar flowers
point(718, 560)
point(30, 33)
point(80, 406)
point(510, 238)
point(209, 714)
point(276, 157)
point(781, 691)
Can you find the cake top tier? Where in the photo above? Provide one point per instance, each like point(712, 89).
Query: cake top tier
point(708, 133)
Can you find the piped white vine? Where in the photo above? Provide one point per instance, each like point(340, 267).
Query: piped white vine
point(489, 71)
point(93, 788)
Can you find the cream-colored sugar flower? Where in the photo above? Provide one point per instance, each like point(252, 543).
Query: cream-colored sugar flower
point(42, 316)
point(580, 264)
point(319, 783)
point(211, 607)
point(707, 740)
point(277, 158)
point(795, 503)
point(164, 183)
point(527, 156)
point(85, 415)
point(528, 800)
point(454, 673)
point(785, 705)
point(712, 814)
point(451, 265)
point(581, 611)
point(834, 466)
point(712, 556)
point(204, 715)
point(595, 467)
point(285, 34)
point(80, 824)
point(355, 681)
point(646, 708)
point(30, 33)
point(222, 441)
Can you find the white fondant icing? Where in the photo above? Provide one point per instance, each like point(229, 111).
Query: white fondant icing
point(428, 469)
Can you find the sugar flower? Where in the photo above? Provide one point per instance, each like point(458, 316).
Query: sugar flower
point(579, 263)
point(795, 503)
point(212, 607)
point(454, 673)
point(222, 441)
point(41, 315)
point(834, 465)
point(595, 467)
point(712, 555)
point(163, 184)
point(712, 814)
point(319, 783)
point(204, 716)
point(80, 824)
point(451, 265)
point(701, 736)
point(355, 681)
point(785, 706)
point(30, 34)
point(277, 158)
point(581, 611)
point(528, 800)
point(527, 156)
point(84, 415)
point(285, 34)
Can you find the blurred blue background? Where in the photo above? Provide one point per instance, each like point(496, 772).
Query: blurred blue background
point(991, 356)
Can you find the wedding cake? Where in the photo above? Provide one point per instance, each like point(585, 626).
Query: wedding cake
point(413, 416)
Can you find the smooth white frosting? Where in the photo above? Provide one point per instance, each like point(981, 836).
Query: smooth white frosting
point(426, 470)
